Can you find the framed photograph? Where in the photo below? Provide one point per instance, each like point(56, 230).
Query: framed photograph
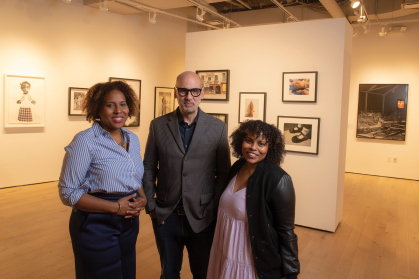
point(252, 106)
point(299, 87)
point(382, 111)
point(215, 84)
point(301, 134)
point(222, 116)
point(75, 100)
point(24, 101)
point(134, 121)
point(164, 101)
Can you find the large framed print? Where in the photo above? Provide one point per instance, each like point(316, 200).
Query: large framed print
point(164, 101)
point(215, 84)
point(24, 101)
point(134, 121)
point(299, 87)
point(382, 111)
point(222, 116)
point(252, 106)
point(301, 134)
point(75, 100)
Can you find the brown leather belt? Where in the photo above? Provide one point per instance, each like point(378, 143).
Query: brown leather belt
point(180, 210)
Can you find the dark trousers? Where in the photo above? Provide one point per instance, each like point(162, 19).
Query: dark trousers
point(173, 236)
point(104, 244)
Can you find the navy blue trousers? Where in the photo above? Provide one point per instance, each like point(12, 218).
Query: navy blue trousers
point(104, 244)
point(173, 236)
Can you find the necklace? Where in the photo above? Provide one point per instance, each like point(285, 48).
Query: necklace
point(122, 143)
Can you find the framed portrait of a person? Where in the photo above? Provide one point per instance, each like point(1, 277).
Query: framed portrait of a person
point(164, 101)
point(299, 87)
point(301, 134)
point(75, 100)
point(24, 101)
point(133, 121)
point(215, 84)
point(252, 106)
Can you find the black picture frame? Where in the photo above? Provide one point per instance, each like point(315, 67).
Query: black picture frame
point(172, 100)
point(305, 92)
point(136, 85)
point(76, 96)
point(214, 84)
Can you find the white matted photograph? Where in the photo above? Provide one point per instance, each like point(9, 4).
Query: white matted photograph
point(252, 106)
point(299, 87)
point(164, 101)
point(75, 100)
point(133, 121)
point(24, 101)
point(301, 134)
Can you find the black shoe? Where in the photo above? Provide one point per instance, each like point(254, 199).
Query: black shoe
point(293, 130)
point(296, 139)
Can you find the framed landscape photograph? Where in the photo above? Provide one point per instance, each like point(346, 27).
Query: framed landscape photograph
point(222, 116)
point(24, 101)
point(164, 101)
point(252, 106)
point(382, 111)
point(215, 84)
point(299, 87)
point(301, 134)
point(134, 121)
point(75, 100)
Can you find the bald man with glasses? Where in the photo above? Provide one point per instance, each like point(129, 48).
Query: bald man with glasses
point(186, 162)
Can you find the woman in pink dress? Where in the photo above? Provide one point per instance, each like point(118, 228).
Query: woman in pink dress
point(254, 237)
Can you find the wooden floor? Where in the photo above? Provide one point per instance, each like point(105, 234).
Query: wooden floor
point(377, 238)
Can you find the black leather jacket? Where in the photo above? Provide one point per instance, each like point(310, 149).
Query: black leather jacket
point(270, 204)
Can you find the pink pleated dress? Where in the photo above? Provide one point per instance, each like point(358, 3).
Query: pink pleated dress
point(231, 253)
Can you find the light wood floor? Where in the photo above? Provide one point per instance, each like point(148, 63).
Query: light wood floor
point(377, 238)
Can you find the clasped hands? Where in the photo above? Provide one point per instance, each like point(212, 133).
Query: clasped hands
point(130, 209)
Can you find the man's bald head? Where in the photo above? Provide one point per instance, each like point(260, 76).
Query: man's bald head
point(188, 75)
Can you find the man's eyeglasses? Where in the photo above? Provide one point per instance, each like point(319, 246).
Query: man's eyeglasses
point(195, 92)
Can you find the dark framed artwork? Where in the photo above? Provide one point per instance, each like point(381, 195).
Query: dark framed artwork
point(76, 97)
point(382, 111)
point(222, 116)
point(215, 84)
point(301, 134)
point(299, 87)
point(252, 106)
point(164, 101)
point(133, 121)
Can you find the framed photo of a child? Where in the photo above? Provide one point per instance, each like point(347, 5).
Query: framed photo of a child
point(24, 101)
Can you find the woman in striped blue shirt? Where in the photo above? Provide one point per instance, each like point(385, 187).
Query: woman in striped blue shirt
point(101, 179)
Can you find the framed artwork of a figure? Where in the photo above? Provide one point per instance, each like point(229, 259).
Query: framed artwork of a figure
point(75, 100)
point(164, 101)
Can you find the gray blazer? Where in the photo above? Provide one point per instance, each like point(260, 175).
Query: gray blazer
point(198, 175)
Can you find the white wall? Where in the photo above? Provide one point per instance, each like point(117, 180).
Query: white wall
point(77, 46)
point(256, 57)
point(390, 59)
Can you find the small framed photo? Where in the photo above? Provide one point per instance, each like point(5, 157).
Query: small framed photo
point(382, 111)
point(222, 116)
point(252, 106)
point(133, 121)
point(301, 134)
point(164, 101)
point(299, 87)
point(75, 100)
point(24, 101)
point(215, 84)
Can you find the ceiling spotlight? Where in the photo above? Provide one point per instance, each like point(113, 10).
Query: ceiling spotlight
point(152, 19)
point(383, 31)
point(66, 1)
point(361, 16)
point(104, 8)
point(200, 17)
point(355, 3)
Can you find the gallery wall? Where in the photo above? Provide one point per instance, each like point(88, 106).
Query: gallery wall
point(256, 57)
point(391, 59)
point(76, 46)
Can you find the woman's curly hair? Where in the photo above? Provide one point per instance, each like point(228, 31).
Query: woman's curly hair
point(273, 136)
point(93, 102)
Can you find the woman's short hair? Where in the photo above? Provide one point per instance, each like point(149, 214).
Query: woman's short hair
point(25, 82)
point(93, 102)
point(273, 136)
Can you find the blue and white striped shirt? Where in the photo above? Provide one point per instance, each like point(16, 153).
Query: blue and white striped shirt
point(95, 163)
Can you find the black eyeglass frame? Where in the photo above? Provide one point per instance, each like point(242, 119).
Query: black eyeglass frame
point(187, 91)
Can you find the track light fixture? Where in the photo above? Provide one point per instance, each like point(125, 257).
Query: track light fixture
point(355, 3)
point(152, 19)
point(200, 17)
point(361, 15)
point(66, 1)
point(103, 7)
point(383, 31)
